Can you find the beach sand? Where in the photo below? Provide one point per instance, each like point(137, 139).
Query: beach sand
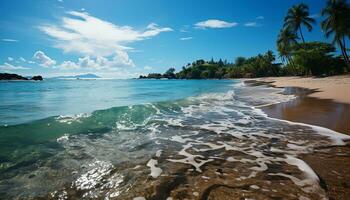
point(321, 101)
point(336, 88)
point(311, 110)
point(324, 102)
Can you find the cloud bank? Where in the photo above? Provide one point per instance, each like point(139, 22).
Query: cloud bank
point(99, 41)
point(7, 66)
point(43, 60)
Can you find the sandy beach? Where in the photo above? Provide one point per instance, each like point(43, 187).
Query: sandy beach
point(320, 101)
point(324, 102)
point(336, 88)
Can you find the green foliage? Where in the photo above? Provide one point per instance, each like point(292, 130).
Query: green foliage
point(152, 76)
point(307, 58)
point(310, 58)
point(239, 61)
point(170, 73)
point(257, 66)
point(336, 24)
point(316, 58)
point(298, 16)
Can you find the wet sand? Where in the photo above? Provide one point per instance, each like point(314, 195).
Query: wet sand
point(331, 164)
point(310, 110)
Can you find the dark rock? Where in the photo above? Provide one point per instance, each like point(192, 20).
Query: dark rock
point(37, 78)
point(6, 76)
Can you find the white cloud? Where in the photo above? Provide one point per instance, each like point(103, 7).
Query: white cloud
point(186, 38)
point(260, 17)
point(68, 65)
point(214, 23)
point(31, 62)
point(9, 40)
point(43, 59)
point(120, 60)
point(252, 24)
point(7, 66)
point(22, 59)
point(82, 33)
point(10, 59)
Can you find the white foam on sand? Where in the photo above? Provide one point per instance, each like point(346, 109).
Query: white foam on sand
point(255, 187)
point(195, 160)
point(180, 139)
point(158, 153)
point(309, 181)
point(155, 171)
point(139, 198)
point(306, 169)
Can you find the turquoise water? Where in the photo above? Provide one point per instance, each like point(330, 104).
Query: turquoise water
point(24, 101)
point(121, 139)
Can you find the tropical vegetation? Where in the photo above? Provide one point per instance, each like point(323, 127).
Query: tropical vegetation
point(299, 57)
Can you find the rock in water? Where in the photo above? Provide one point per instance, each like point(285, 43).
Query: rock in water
point(6, 76)
point(37, 78)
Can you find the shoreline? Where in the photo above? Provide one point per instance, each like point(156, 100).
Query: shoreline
point(314, 107)
point(319, 101)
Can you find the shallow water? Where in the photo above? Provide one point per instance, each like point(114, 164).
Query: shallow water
point(213, 144)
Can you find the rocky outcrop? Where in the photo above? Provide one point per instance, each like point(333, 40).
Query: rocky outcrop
point(6, 76)
point(37, 78)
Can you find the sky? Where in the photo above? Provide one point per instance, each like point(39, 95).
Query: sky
point(126, 38)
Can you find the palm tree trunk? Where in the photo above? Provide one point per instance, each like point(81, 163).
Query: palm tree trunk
point(301, 34)
point(292, 64)
point(287, 59)
point(345, 55)
point(344, 49)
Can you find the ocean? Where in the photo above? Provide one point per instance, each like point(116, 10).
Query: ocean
point(152, 139)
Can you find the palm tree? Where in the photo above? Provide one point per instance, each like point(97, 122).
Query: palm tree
point(297, 16)
point(286, 39)
point(337, 24)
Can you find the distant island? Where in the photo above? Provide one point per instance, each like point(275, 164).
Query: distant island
point(6, 76)
point(81, 76)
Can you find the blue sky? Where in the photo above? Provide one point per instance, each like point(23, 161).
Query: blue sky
point(122, 39)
